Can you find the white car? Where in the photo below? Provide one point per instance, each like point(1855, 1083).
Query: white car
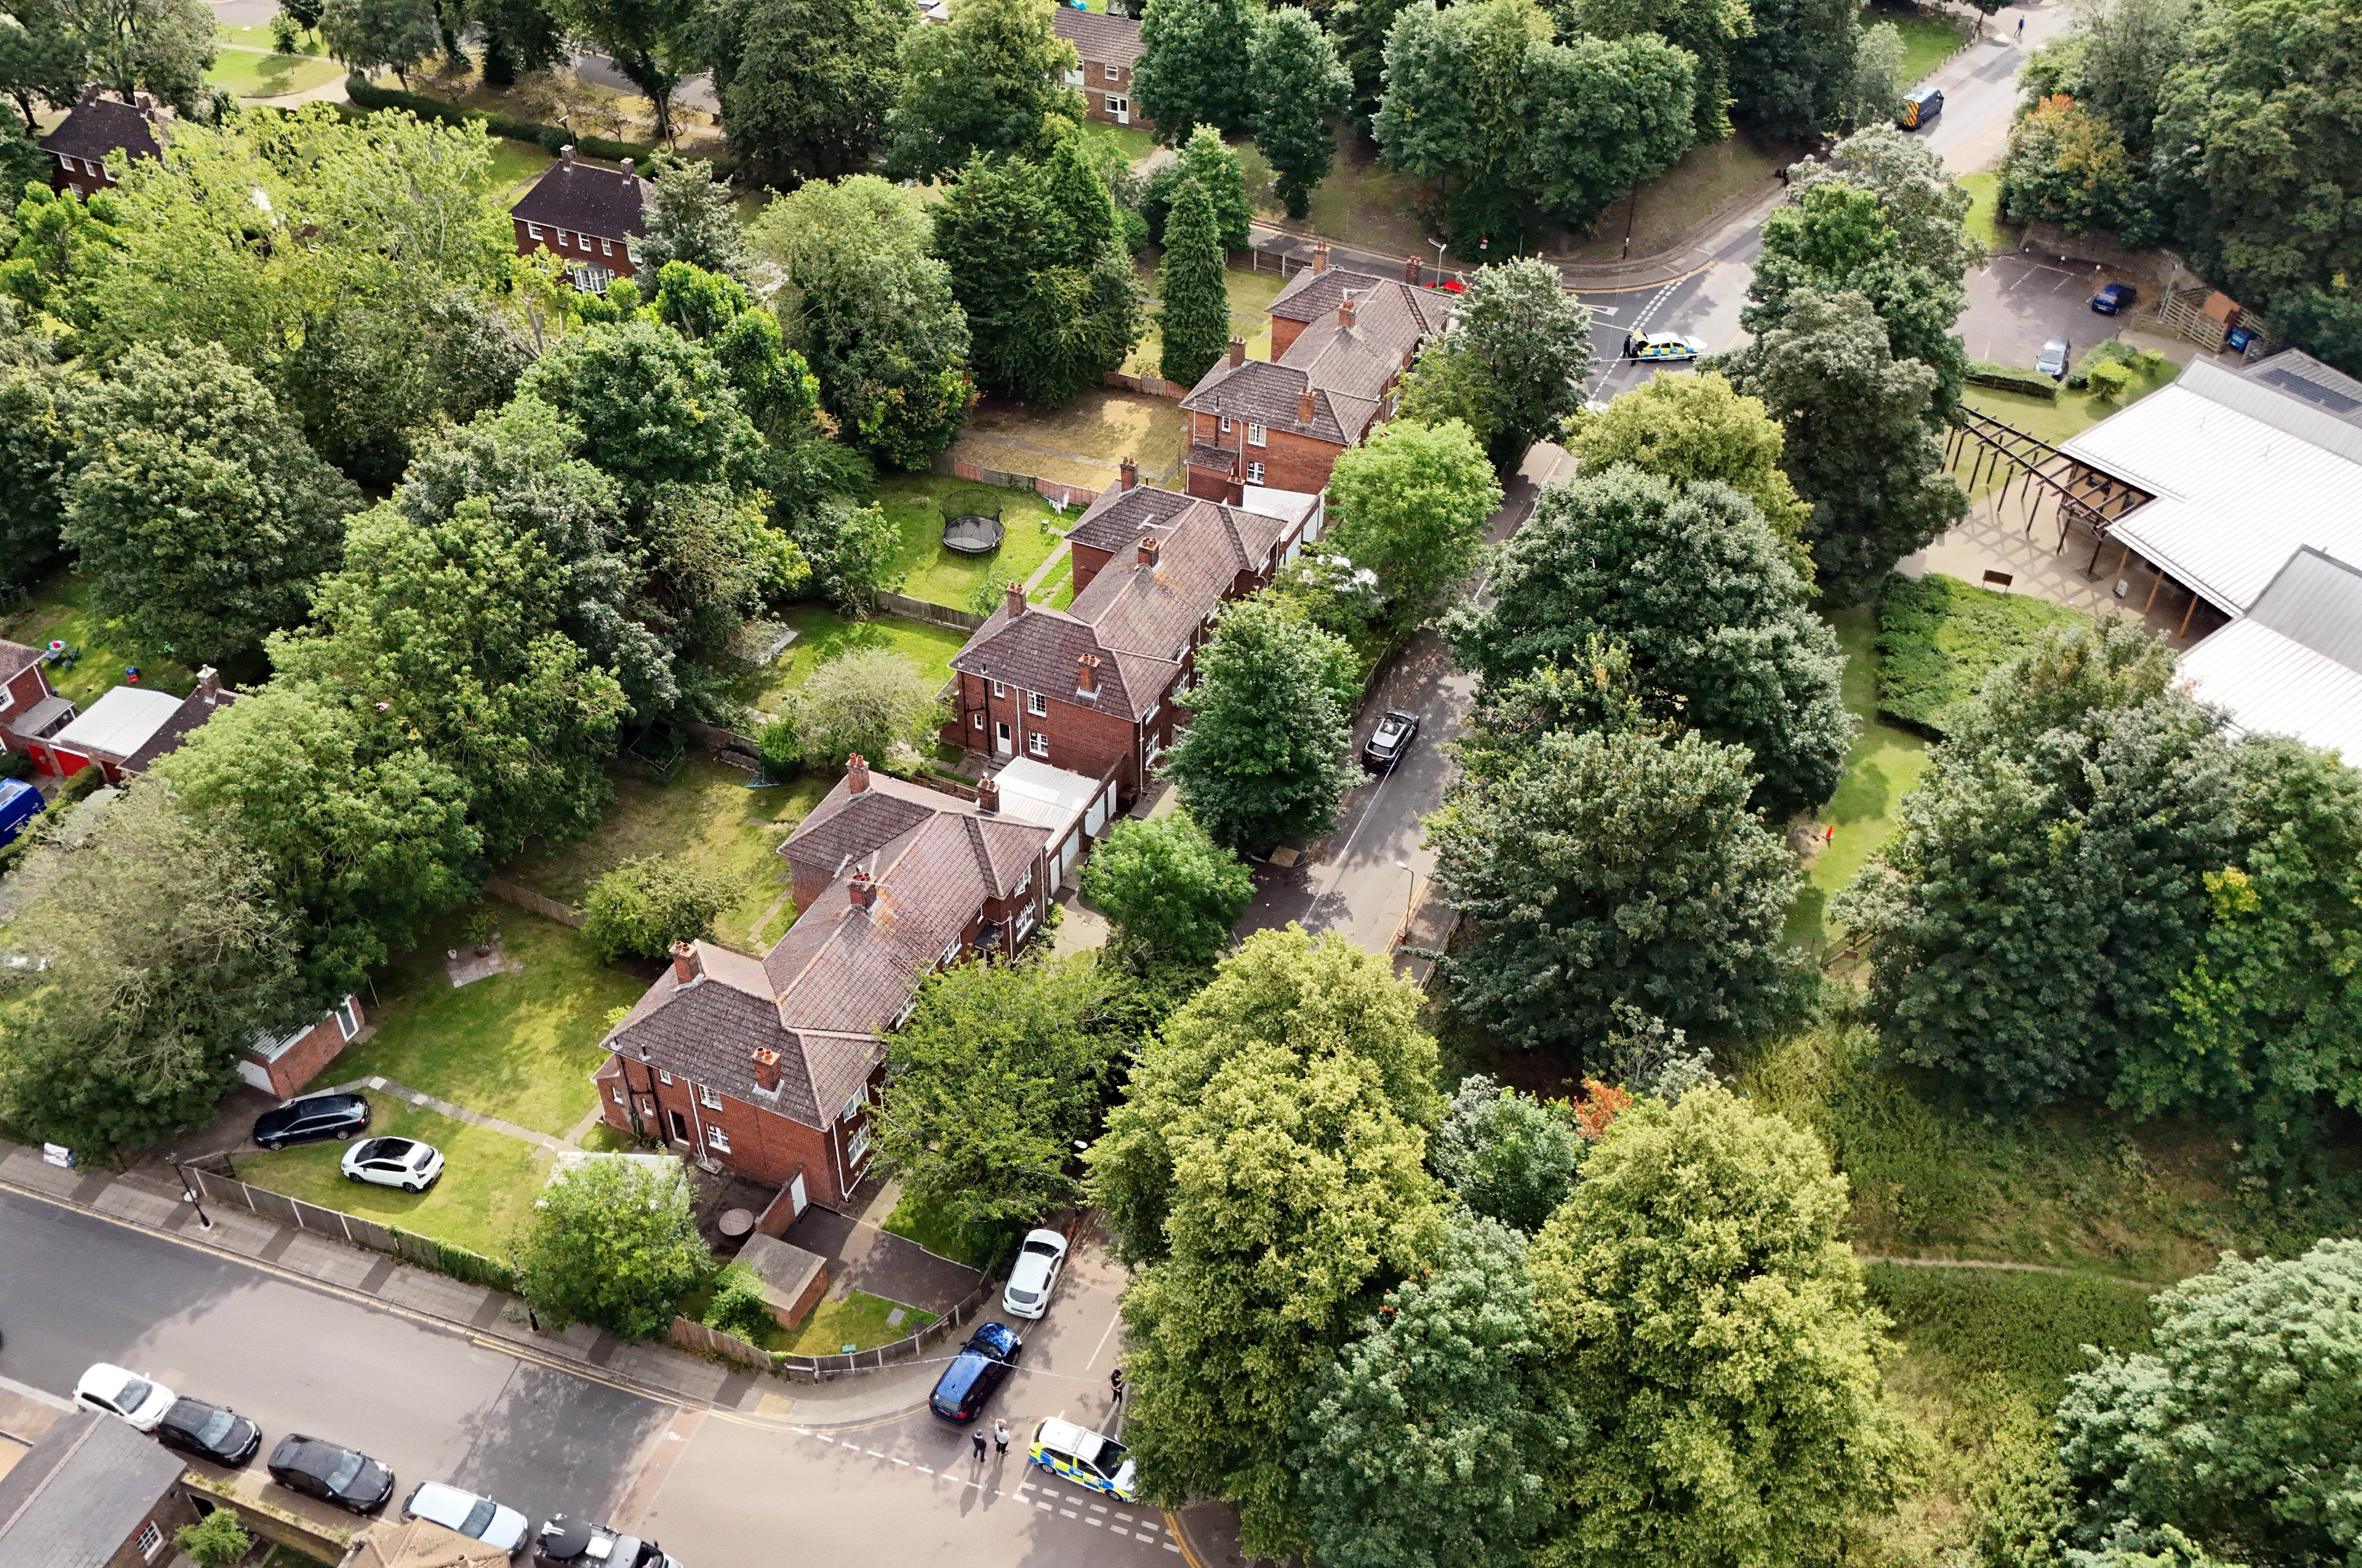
point(1039, 1262)
point(1672, 345)
point(112, 1392)
point(395, 1162)
point(480, 1518)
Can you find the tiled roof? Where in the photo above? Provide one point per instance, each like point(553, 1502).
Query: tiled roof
point(1118, 519)
point(1348, 367)
point(708, 1030)
point(97, 126)
point(1220, 459)
point(1310, 295)
point(1041, 651)
point(1263, 392)
point(76, 1496)
point(588, 199)
point(1114, 41)
point(16, 658)
point(194, 712)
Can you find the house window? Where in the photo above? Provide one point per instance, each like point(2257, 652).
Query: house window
point(619, 1096)
point(348, 1020)
point(632, 252)
point(533, 232)
point(1254, 473)
point(858, 1149)
point(999, 690)
point(951, 952)
point(679, 1126)
point(592, 280)
point(606, 247)
point(716, 1139)
point(1026, 917)
point(1037, 742)
point(1074, 77)
point(979, 718)
point(904, 1016)
point(1023, 883)
point(854, 1103)
point(1257, 435)
point(151, 1541)
point(1037, 704)
point(1111, 71)
point(665, 1076)
point(707, 1097)
point(1120, 108)
point(1225, 425)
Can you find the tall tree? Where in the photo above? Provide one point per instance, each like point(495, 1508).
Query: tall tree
point(36, 449)
point(1507, 1156)
point(652, 42)
point(614, 1242)
point(1528, 346)
point(1612, 867)
point(694, 219)
point(1917, 199)
point(1790, 74)
point(1649, 1308)
point(41, 60)
point(1269, 1158)
point(1701, 589)
point(163, 47)
point(520, 36)
point(1361, 27)
point(369, 376)
point(1263, 758)
point(371, 36)
point(1412, 504)
point(806, 84)
point(1194, 65)
point(992, 79)
point(1194, 320)
point(1207, 160)
point(1858, 448)
point(1710, 31)
point(1295, 85)
point(2125, 51)
point(1687, 428)
point(1170, 891)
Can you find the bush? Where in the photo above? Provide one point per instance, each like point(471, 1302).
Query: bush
point(2012, 378)
point(88, 781)
point(16, 765)
point(644, 906)
point(1940, 638)
point(779, 745)
point(867, 701)
point(367, 96)
point(216, 1540)
point(738, 1307)
point(2109, 380)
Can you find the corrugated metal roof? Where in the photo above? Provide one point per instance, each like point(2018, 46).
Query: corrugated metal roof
point(2316, 601)
point(2273, 684)
point(2295, 371)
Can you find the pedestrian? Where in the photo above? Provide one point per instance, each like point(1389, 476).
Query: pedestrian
point(979, 1446)
point(1000, 1436)
point(2020, 32)
point(1115, 1381)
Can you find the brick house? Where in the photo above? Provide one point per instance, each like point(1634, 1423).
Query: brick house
point(1340, 340)
point(592, 218)
point(1108, 46)
point(282, 1064)
point(765, 1066)
point(29, 711)
point(124, 732)
point(1090, 689)
point(96, 126)
point(92, 1492)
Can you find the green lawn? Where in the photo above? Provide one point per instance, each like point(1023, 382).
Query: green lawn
point(824, 635)
point(59, 609)
point(859, 1322)
point(1929, 37)
point(707, 816)
point(1363, 201)
point(256, 75)
point(1940, 638)
point(1132, 142)
point(945, 576)
point(2073, 413)
point(1251, 296)
point(488, 1183)
point(515, 163)
point(262, 38)
point(1707, 175)
point(1985, 211)
point(1885, 763)
point(520, 1047)
point(933, 1230)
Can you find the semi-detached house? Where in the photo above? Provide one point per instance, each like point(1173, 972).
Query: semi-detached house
point(1106, 48)
point(591, 218)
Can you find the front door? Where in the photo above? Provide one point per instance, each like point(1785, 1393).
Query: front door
point(1000, 740)
point(679, 1126)
point(1122, 109)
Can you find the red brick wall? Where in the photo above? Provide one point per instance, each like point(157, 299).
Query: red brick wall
point(307, 1057)
point(172, 1511)
point(765, 1145)
point(28, 688)
point(1283, 334)
point(1082, 739)
point(1098, 87)
point(1088, 559)
point(1290, 462)
point(577, 249)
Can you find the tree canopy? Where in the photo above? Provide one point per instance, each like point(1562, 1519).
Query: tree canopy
point(1170, 891)
point(644, 905)
point(1687, 428)
point(1296, 83)
point(1264, 756)
point(1514, 364)
point(1412, 504)
point(612, 1242)
point(1194, 323)
point(806, 86)
point(1194, 65)
point(1507, 1156)
point(992, 79)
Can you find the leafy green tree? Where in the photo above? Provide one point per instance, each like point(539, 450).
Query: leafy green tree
point(1687, 428)
point(854, 552)
point(367, 378)
point(215, 1541)
point(1508, 1157)
point(57, 239)
point(2124, 51)
point(655, 410)
point(1361, 28)
point(1195, 318)
point(1596, 689)
point(2068, 166)
point(1792, 72)
point(365, 835)
point(653, 42)
point(1193, 67)
point(991, 1083)
point(2238, 1429)
point(644, 906)
point(1530, 345)
point(1710, 32)
point(196, 509)
point(520, 36)
point(1858, 448)
point(806, 84)
point(161, 951)
point(1917, 199)
point(1412, 504)
point(1446, 383)
point(1432, 1439)
point(371, 36)
point(163, 47)
point(612, 1242)
point(34, 451)
point(1206, 161)
point(1700, 589)
point(1614, 867)
point(869, 700)
point(1294, 83)
point(694, 219)
point(1874, 93)
point(1170, 891)
point(738, 1307)
point(1648, 1309)
point(1610, 114)
point(40, 60)
point(1263, 758)
point(1270, 1159)
point(992, 79)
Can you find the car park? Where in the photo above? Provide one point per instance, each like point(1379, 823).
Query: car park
point(1034, 1274)
point(2052, 360)
point(332, 1473)
point(1921, 104)
point(309, 1120)
point(982, 1366)
point(395, 1162)
point(209, 1432)
point(112, 1392)
point(2114, 297)
point(565, 1539)
point(477, 1518)
point(1670, 345)
point(1396, 730)
point(1086, 1457)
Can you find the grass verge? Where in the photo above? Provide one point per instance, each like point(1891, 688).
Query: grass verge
point(1929, 37)
point(1939, 637)
point(857, 1322)
point(514, 163)
point(933, 1229)
point(250, 74)
point(2069, 416)
point(1881, 769)
point(1984, 212)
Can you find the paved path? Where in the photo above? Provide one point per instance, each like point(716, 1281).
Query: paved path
point(419, 1097)
point(863, 1257)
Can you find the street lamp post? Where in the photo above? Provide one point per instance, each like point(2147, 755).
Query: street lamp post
point(1440, 246)
point(188, 1190)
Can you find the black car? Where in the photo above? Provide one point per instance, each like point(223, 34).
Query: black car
point(567, 1539)
point(332, 1473)
point(1395, 731)
point(981, 1365)
point(209, 1432)
point(308, 1121)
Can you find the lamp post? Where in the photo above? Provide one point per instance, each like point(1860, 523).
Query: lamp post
point(1440, 246)
point(188, 1190)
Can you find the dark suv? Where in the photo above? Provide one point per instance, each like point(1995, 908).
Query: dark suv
point(308, 1121)
point(981, 1365)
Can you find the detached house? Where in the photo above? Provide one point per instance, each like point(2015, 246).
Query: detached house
point(1340, 341)
point(764, 1066)
point(1108, 46)
point(592, 218)
point(96, 126)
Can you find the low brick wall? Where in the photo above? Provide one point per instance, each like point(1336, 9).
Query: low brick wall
point(526, 899)
point(903, 607)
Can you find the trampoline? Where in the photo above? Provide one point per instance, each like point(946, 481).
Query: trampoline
point(972, 521)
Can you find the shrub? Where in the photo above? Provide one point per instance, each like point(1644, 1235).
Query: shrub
point(867, 701)
point(15, 765)
point(88, 781)
point(214, 1540)
point(2012, 378)
point(779, 745)
point(2110, 380)
point(1940, 638)
point(644, 906)
point(738, 1307)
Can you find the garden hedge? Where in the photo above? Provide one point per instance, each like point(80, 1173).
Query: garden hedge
point(2012, 378)
point(367, 94)
point(1939, 637)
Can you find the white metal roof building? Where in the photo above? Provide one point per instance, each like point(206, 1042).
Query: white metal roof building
point(120, 721)
point(2292, 666)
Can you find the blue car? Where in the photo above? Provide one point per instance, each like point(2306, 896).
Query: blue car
point(19, 804)
point(2114, 297)
point(981, 1366)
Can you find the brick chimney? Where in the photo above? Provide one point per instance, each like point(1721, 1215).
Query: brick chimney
point(1319, 256)
point(1128, 470)
point(1013, 600)
point(686, 965)
point(856, 774)
point(1304, 409)
point(1345, 311)
point(1414, 270)
point(767, 1069)
point(1149, 544)
point(566, 154)
point(209, 685)
point(864, 891)
point(627, 168)
point(1238, 351)
point(987, 795)
point(1086, 675)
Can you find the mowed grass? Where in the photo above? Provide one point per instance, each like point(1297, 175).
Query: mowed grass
point(1363, 201)
point(933, 1229)
point(859, 1322)
point(520, 1046)
point(1665, 207)
point(515, 164)
point(1929, 37)
point(1984, 212)
point(59, 609)
point(1881, 769)
point(945, 576)
point(822, 634)
point(707, 817)
point(1083, 443)
point(488, 1186)
point(255, 37)
point(1132, 142)
point(2069, 416)
point(1251, 294)
point(250, 74)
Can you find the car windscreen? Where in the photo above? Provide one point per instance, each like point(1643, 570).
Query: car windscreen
point(479, 1518)
point(346, 1468)
point(1023, 1297)
point(214, 1429)
point(133, 1394)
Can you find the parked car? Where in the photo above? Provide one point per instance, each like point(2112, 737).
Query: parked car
point(1662, 345)
point(2052, 360)
point(209, 1432)
point(1396, 730)
point(332, 1473)
point(1036, 1275)
point(309, 1120)
point(564, 1539)
point(2114, 297)
point(477, 1518)
point(19, 804)
point(981, 1366)
point(112, 1392)
point(1921, 104)
point(395, 1162)
point(1093, 1459)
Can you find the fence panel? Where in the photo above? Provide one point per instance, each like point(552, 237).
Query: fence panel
point(425, 1250)
point(525, 898)
point(690, 1334)
point(903, 607)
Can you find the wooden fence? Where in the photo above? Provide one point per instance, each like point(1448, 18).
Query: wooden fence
point(525, 898)
point(1155, 386)
point(903, 607)
point(1056, 491)
point(694, 1336)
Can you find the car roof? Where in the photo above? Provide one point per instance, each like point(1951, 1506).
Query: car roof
point(1001, 1336)
point(436, 1498)
point(189, 1414)
point(1045, 1238)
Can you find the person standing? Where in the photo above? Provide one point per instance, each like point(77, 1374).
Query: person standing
point(999, 1437)
point(1115, 1381)
point(979, 1437)
point(2020, 32)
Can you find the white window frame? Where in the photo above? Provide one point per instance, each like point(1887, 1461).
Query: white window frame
point(347, 1017)
point(708, 1098)
point(951, 952)
point(1037, 744)
point(663, 1077)
point(980, 720)
point(1024, 884)
point(1258, 435)
point(1225, 425)
point(1120, 108)
point(632, 253)
point(907, 1008)
point(999, 690)
point(619, 1094)
point(1074, 77)
point(1027, 919)
point(1254, 473)
point(1114, 73)
point(533, 232)
point(1037, 703)
point(854, 1103)
point(856, 1148)
point(150, 1541)
point(716, 1139)
point(606, 247)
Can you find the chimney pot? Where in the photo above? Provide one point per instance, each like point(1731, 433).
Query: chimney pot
point(1087, 673)
point(1414, 270)
point(686, 965)
point(1013, 599)
point(1238, 351)
point(566, 154)
point(1149, 544)
point(1130, 469)
point(987, 795)
point(1345, 311)
point(1304, 407)
point(627, 165)
point(856, 774)
point(767, 1069)
point(864, 891)
point(209, 685)
point(1319, 256)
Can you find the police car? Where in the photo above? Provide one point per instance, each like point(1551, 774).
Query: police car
point(1079, 1454)
point(1663, 346)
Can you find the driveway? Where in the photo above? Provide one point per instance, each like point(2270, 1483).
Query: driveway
point(880, 1263)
